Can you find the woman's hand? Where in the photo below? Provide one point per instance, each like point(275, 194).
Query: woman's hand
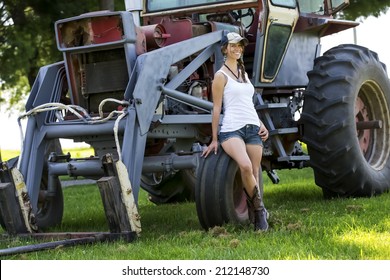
point(263, 132)
point(212, 147)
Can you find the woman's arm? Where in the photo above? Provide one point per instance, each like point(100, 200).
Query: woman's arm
point(217, 90)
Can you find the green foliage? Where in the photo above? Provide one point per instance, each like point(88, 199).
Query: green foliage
point(304, 226)
point(365, 8)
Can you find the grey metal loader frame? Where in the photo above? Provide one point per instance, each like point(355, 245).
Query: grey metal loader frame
point(143, 92)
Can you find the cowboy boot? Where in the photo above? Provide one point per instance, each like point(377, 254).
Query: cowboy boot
point(251, 210)
point(257, 210)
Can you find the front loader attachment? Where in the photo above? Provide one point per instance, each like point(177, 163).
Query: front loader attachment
point(18, 219)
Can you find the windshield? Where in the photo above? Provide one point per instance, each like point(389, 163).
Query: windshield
point(161, 5)
point(312, 6)
point(284, 3)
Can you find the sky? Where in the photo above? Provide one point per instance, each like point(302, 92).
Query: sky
point(369, 33)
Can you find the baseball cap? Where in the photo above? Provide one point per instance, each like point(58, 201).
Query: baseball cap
point(234, 38)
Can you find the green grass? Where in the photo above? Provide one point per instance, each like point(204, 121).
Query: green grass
point(304, 226)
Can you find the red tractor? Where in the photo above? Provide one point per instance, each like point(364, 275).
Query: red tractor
point(137, 85)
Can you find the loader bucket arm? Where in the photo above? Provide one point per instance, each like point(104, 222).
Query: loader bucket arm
point(150, 83)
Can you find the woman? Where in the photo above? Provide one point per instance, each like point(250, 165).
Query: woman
point(242, 133)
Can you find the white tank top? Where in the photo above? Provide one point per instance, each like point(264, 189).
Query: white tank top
point(238, 107)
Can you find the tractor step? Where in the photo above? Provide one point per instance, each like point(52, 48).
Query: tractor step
point(279, 131)
point(271, 106)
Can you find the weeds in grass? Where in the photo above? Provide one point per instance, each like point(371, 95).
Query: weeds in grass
point(302, 226)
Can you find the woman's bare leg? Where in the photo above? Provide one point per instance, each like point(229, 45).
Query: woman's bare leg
point(237, 150)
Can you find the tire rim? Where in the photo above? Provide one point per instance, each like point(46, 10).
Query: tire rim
point(371, 105)
point(152, 179)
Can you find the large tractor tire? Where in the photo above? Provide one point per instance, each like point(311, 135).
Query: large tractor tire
point(346, 122)
point(175, 188)
point(50, 209)
point(219, 194)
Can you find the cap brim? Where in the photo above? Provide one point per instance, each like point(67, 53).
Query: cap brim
point(244, 41)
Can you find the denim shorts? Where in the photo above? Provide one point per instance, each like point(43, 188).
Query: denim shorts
point(248, 133)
